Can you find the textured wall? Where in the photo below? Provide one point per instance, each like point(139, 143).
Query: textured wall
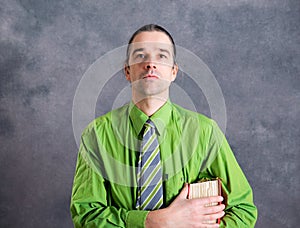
point(252, 47)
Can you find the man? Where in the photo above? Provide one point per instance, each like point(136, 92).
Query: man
point(134, 162)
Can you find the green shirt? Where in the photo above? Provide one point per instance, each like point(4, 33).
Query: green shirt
point(192, 147)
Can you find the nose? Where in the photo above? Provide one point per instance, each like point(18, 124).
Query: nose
point(150, 65)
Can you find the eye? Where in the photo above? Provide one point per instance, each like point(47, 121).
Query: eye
point(140, 56)
point(162, 56)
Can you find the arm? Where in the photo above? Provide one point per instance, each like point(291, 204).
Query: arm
point(240, 210)
point(185, 212)
point(220, 162)
point(89, 204)
point(89, 207)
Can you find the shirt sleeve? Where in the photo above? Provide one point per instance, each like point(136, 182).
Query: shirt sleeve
point(240, 210)
point(89, 206)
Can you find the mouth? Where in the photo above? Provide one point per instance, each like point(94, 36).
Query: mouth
point(151, 76)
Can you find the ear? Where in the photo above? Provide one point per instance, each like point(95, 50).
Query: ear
point(174, 71)
point(127, 72)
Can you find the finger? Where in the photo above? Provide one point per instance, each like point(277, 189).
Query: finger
point(213, 209)
point(210, 225)
point(210, 200)
point(213, 217)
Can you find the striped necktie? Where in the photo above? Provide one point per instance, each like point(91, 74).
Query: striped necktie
point(149, 174)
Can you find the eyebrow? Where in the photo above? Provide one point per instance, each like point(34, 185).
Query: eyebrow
point(137, 50)
point(165, 50)
point(142, 49)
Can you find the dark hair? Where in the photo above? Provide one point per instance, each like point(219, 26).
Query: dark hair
point(150, 28)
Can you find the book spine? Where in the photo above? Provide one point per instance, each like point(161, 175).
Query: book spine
point(219, 193)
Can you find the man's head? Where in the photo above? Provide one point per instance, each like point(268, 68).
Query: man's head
point(150, 28)
point(150, 65)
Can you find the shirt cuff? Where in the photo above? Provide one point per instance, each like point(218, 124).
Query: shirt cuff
point(136, 218)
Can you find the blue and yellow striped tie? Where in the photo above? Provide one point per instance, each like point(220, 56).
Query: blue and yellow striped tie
point(149, 174)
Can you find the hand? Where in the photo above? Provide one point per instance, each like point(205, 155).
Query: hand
point(185, 212)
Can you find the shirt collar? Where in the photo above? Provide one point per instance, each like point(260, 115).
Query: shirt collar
point(160, 118)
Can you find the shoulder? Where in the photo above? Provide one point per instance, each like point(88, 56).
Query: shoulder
point(197, 125)
point(191, 117)
point(107, 121)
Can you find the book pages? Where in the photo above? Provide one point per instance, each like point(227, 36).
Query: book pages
point(205, 189)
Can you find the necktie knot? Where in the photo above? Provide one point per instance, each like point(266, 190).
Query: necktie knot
point(149, 124)
point(149, 129)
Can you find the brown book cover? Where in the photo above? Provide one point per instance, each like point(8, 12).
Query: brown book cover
point(205, 188)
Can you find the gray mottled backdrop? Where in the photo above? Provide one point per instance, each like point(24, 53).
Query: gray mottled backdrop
point(251, 46)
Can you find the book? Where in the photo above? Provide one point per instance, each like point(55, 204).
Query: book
point(206, 188)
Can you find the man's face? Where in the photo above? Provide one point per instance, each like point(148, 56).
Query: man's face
point(151, 64)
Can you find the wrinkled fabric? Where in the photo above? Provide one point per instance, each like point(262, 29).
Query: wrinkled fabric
point(192, 148)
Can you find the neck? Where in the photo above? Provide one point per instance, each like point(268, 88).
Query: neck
point(150, 105)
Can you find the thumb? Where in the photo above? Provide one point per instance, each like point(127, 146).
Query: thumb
point(182, 195)
point(184, 192)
